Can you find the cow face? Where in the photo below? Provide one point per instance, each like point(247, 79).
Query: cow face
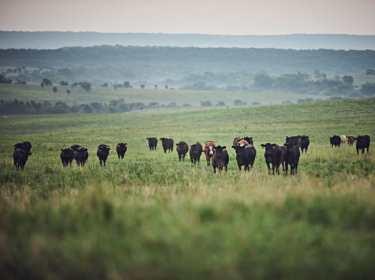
point(211, 150)
point(238, 149)
point(289, 146)
point(269, 148)
point(219, 150)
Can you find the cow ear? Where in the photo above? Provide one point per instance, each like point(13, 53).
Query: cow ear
point(109, 149)
point(62, 150)
point(85, 150)
point(29, 154)
point(307, 137)
point(355, 138)
point(263, 146)
point(273, 146)
point(294, 145)
point(224, 147)
point(126, 144)
point(233, 147)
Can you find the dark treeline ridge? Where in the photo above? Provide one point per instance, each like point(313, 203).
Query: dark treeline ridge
point(55, 39)
point(137, 63)
point(14, 107)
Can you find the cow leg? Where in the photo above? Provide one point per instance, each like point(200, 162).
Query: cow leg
point(214, 169)
point(179, 157)
point(357, 152)
point(286, 168)
point(278, 169)
point(226, 168)
point(269, 168)
point(104, 161)
point(368, 148)
point(183, 157)
point(208, 162)
point(296, 167)
point(273, 169)
point(100, 162)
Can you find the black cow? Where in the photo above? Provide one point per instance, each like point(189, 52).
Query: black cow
point(182, 149)
point(102, 153)
point(220, 159)
point(19, 158)
point(121, 150)
point(293, 139)
point(26, 146)
point(66, 156)
point(152, 143)
point(282, 158)
point(304, 143)
point(335, 141)
point(167, 144)
point(272, 156)
point(249, 140)
point(291, 157)
point(196, 151)
point(80, 154)
point(363, 142)
point(245, 155)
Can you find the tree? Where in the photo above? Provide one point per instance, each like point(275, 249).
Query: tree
point(86, 86)
point(156, 86)
point(142, 86)
point(166, 86)
point(47, 82)
point(370, 72)
point(104, 85)
point(68, 91)
point(54, 89)
point(263, 81)
point(368, 89)
point(239, 102)
point(64, 83)
point(348, 80)
point(42, 85)
point(206, 103)
point(126, 84)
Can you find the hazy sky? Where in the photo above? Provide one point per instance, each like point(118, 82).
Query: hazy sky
point(239, 17)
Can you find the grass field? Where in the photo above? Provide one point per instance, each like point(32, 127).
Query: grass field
point(151, 216)
point(78, 95)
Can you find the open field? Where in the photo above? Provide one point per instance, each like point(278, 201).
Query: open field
point(79, 95)
point(151, 216)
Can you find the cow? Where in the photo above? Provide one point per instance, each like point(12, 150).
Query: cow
point(80, 154)
point(26, 146)
point(167, 144)
point(67, 156)
point(152, 143)
point(303, 143)
point(335, 140)
point(249, 140)
point(293, 139)
point(19, 158)
point(236, 140)
point(351, 140)
point(182, 148)
point(291, 157)
point(121, 150)
point(242, 143)
point(363, 142)
point(102, 153)
point(272, 155)
point(343, 139)
point(209, 151)
point(220, 159)
point(245, 155)
point(195, 152)
point(282, 158)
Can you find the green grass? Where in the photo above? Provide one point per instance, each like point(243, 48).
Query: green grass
point(151, 216)
point(78, 95)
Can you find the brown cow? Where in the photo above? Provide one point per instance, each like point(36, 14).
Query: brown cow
point(350, 140)
point(236, 140)
point(209, 151)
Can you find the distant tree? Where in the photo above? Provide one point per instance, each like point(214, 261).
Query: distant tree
point(68, 91)
point(142, 86)
point(370, 72)
point(239, 102)
point(64, 83)
point(126, 84)
point(115, 87)
point(86, 86)
point(3, 80)
point(287, 102)
point(42, 85)
point(220, 103)
point(206, 103)
point(166, 86)
point(348, 80)
point(255, 103)
point(74, 85)
point(186, 105)
point(263, 81)
point(368, 89)
point(47, 82)
point(156, 86)
point(54, 89)
point(104, 85)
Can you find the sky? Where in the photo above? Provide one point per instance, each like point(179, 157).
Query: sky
point(234, 17)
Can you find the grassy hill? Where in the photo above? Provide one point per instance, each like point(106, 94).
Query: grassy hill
point(151, 216)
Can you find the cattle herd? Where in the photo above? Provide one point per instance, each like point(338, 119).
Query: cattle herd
point(275, 155)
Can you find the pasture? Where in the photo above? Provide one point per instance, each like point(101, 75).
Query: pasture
point(151, 216)
point(147, 95)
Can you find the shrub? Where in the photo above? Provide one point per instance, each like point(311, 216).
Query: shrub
point(239, 102)
point(206, 103)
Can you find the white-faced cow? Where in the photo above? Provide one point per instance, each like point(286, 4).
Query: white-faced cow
point(291, 158)
point(167, 144)
point(182, 148)
point(272, 156)
point(363, 142)
point(121, 150)
point(19, 158)
point(245, 156)
point(220, 159)
point(67, 156)
point(195, 152)
point(152, 143)
point(102, 153)
point(209, 151)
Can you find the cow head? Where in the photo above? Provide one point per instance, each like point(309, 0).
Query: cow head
point(18, 146)
point(269, 148)
point(122, 144)
point(219, 150)
point(289, 146)
point(238, 149)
